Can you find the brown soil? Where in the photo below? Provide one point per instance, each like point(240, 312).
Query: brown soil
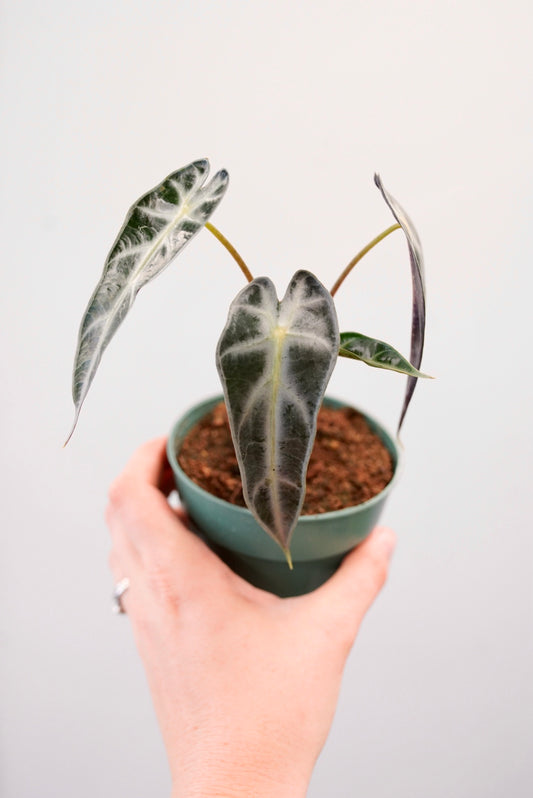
point(349, 463)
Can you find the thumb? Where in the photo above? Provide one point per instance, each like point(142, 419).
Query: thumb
point(348, 594)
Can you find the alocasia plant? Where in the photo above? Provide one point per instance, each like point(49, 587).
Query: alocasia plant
point(274, 357)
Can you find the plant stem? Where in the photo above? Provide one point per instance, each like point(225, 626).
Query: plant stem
point(360, 255)
point(231, 249)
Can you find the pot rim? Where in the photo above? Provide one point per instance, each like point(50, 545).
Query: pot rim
point(393, 445)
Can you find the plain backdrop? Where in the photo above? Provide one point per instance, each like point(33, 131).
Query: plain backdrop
point(301, 102)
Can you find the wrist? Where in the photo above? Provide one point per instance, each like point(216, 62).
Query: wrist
point(238, 784)
point(242, 790)
point(231, 768)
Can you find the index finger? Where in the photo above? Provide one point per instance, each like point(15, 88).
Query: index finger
point(140, 516)
point(149, 465)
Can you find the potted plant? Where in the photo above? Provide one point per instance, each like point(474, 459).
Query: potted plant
point(275, 359)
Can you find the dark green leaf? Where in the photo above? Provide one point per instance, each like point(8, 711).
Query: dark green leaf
point(376, 353)
point(275, 360)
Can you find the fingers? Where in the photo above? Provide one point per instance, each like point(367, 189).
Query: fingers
point(363, 571)
point(149, 464)
point(147, 533)
point(137, 503)
point(345, 598)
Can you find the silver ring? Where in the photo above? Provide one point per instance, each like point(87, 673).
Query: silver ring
point(120, 589)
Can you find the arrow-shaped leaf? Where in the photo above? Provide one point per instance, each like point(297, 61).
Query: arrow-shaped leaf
point(156, 229)
point(418, 320)
point(376, 353)
point(275, 360)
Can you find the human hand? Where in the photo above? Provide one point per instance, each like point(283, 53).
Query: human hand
point(244, 683)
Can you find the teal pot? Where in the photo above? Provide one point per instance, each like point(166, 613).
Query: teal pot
point(318, 544)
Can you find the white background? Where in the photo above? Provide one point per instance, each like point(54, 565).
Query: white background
point(301, 102)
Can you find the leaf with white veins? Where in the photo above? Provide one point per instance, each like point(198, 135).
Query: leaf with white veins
point(376, 353)
point(275, 360)
point(418, 320)
point(157, 227)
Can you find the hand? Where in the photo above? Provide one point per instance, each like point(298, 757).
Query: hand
point(244, 683)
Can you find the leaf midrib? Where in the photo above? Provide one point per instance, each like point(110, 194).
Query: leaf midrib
point(280, 333)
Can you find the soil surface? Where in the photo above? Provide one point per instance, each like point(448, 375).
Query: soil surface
point(349, 463)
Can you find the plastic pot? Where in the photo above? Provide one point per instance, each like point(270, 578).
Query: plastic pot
point(318, 544)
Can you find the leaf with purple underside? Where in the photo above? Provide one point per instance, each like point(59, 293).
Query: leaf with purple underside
point(418, 319)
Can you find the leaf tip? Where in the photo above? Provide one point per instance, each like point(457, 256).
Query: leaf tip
point(420, 375)
point(71, 433)
point(202, 164)
point(287, 553)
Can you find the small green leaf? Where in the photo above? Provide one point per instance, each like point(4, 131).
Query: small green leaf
point(275, 360)
point(418, 316)
point(157, 227)
point(376, 353)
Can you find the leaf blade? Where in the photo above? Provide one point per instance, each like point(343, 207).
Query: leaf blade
point(418, 314)
point(275, 360)
point(376, 353)
point(156, 228)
